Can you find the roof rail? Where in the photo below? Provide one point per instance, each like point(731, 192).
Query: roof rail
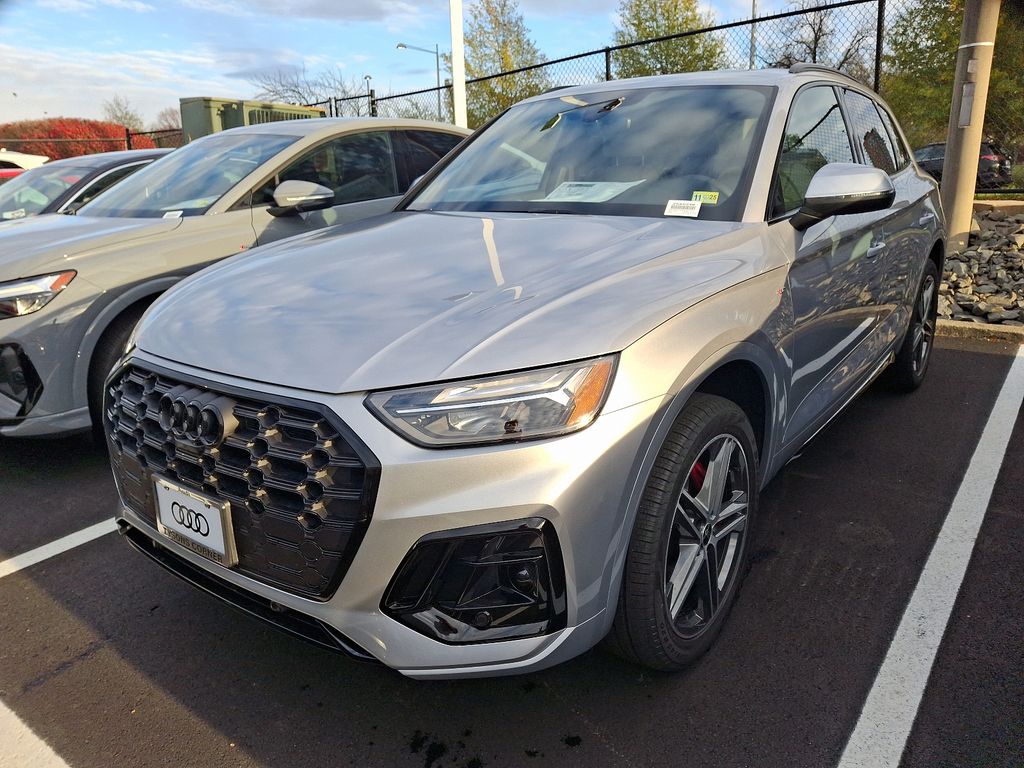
point(809, 66)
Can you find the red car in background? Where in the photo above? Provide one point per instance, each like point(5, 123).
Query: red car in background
point(995, 168)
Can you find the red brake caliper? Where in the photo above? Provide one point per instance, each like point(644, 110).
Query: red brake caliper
point(697, 475)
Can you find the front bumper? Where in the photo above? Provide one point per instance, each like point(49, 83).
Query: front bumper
point(42, 366)
point(580, 483)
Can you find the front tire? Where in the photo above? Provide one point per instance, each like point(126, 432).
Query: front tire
point(108, 351)
point(908, 370)
point(688, 552)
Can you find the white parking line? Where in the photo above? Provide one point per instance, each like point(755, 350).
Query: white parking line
point(881, 733)
point(22, 747)
point(63, 544)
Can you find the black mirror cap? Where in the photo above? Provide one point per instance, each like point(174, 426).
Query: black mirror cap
point(295, 210)
point(844, 188)
point(820, 208)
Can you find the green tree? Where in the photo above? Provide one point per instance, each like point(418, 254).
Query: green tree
point(646, 19)
point(919, 64)
point(497, 40)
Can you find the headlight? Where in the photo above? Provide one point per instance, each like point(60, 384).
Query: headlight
point(513, 406)
point(25, 296)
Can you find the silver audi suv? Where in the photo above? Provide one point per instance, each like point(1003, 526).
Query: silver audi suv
point(533, 408)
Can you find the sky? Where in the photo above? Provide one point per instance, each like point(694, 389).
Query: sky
point(66, 57)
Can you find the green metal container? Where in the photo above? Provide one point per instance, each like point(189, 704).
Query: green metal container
point(203, 115)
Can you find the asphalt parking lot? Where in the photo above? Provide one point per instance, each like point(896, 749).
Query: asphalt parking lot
point(115, 663)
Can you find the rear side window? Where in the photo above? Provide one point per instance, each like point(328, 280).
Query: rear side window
point(902, 153)
point(423, 149)
point(106, 181)
point(870, 133)
point(815, 136)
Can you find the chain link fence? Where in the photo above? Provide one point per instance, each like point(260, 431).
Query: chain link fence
point(841, 35)
point(866, 39)
point(162, 138)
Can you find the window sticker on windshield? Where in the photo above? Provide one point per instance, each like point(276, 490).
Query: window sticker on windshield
point(689, 208)
point(18, 214)
point(172, 215)
point(589, 191)
point(708, 198)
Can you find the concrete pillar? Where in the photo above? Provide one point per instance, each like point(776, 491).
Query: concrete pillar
point(967, 117)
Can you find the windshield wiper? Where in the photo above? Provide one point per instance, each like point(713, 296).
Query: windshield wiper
point(606, 106)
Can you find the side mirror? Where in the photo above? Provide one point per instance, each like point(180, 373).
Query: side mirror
point(840, 188)
point(293, 197)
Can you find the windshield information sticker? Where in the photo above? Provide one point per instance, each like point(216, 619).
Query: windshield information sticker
point(589, 191)
point(172, 215)
point(689, 208)
point(708, 198)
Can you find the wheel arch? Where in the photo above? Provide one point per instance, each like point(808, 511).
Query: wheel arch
point(743, 383)
point(143, 294)
point(937, 255)
point(759, 388)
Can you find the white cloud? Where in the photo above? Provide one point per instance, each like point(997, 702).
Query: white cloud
point(391, 11)
point(82, 6)
point(149, 79)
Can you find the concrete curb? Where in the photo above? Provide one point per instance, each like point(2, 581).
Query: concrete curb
point(960, 329)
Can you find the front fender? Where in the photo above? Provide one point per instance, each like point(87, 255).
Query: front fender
point(748, 323)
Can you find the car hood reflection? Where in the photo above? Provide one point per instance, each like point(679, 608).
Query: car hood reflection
point(27, 245)
point(424, 296)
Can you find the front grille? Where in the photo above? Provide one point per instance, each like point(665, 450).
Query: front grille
point(300, 485)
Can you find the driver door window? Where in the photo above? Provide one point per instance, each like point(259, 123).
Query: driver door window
point(355, 167)
point(815, 136)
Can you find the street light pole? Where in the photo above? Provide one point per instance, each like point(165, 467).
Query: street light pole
point(437, 67)
point(753, 27)
point(458, 64)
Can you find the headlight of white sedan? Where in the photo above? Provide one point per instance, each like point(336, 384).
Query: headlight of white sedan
point(515, 406)
point(29, 294)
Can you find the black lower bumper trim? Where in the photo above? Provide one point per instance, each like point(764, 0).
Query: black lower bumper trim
point(294, 623)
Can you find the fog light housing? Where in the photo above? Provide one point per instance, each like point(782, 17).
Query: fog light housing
point(490, 582)
point(20, 385)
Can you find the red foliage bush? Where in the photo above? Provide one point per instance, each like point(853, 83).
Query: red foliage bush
point(59, 137)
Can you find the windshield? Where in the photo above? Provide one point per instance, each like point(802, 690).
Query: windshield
point(189, 180)
point(679, 151)
point(30, 192)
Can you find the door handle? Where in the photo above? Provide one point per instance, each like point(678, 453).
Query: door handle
point(875, 249)
point(926, 219)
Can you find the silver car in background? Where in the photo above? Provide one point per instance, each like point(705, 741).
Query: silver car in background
point(73, 287)
point(534, 407)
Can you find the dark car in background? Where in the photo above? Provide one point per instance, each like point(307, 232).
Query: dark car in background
point(995, 168)
point(63, 186)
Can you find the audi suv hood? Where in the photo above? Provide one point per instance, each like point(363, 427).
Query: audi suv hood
point(30, 247)
point(425, 296)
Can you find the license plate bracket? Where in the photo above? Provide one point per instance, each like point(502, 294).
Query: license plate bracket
point(195, 521)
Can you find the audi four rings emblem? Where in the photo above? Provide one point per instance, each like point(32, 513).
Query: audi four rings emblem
point(194, 521)
point(190, 418)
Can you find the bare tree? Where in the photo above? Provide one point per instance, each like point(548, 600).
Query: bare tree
point(823, 37)
point(291, 86)
point(120, 111)
point(167, 119)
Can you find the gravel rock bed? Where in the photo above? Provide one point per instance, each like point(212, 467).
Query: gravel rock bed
point(985, 283)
